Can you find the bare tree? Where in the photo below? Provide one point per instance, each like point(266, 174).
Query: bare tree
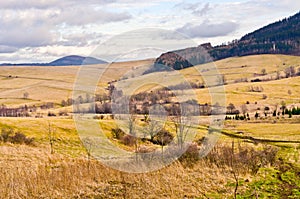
point(25, 95)
point(152, 128)
point(234, 169)
point(88, 143)
point(290, 71)
point(277, 74)
point(132, 131)
point(244, 109)
point(182, 124)
point(51, 136)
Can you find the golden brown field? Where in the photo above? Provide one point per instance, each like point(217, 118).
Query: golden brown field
point(57, 165)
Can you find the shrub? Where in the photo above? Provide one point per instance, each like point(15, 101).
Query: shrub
point(117, 133)
point(128, 140)
point(163, 137)
point(63, 113)
point(264, 96)
point(9, 135)
point(5, 134)
point(190, 156)
point(50, 114)
point(245, 159)
point(143, 152)
point(18, 138)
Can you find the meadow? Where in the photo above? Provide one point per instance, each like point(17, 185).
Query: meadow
point(57, 165)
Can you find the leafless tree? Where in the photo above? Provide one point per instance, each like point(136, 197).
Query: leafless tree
point(88, 143)
point(244, 109)
point(25, 95)
point(182, 124)
point(152, 128)
point(51, 136)
point(290, 71)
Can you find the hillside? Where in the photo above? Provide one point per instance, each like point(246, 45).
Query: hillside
point(281, 37)
point(239, 72)
point(44, 84)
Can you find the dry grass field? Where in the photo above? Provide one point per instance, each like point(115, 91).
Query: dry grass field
point(51, 84)
point(57, 165)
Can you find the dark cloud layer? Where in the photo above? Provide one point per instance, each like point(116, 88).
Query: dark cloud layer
point(34, 23)
point(7, 49)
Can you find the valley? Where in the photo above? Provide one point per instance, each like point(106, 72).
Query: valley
point(251, 128)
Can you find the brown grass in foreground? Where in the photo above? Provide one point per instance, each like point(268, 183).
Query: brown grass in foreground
point(29, 172)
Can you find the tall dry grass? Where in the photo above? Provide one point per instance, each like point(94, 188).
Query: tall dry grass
point(31, 172)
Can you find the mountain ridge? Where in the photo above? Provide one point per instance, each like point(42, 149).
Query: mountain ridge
point(281, 37)
point(70, 60)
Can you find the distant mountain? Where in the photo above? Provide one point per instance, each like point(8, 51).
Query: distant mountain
point(282, 37)
point(72, 60)
point(75, 60)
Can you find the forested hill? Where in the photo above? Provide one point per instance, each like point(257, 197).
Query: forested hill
point(282, 37)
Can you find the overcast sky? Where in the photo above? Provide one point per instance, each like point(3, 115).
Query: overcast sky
point(43, 30)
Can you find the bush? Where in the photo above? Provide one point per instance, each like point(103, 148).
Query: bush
point(18, 138)
point(63, 113)
point(245, 159)
point(190, 156)
point(163, 138)
point(264, 96)
point(128, 140)
point(5, 134)
point(9, 135)
point(50, 114)
point(117, 133)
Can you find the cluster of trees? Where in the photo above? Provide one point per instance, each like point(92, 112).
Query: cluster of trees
point(138, 103)
point(231, 110)
point(292, 111)
point(291, 72)
point(255, 89)
point(238, 117)
point(189, 85)
point(157, 136)
point(22, 111)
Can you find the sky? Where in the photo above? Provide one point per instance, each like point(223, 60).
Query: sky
point(44, 30)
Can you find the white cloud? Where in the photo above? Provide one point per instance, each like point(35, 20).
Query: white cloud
point(197, 9)
point(79, 16)
point(208, 29)
point(47, 28)
point(30, 26)
point(46, 4)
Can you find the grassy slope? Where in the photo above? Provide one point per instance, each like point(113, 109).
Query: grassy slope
point(51, 84)
point(236, 93)
point(56, 83)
